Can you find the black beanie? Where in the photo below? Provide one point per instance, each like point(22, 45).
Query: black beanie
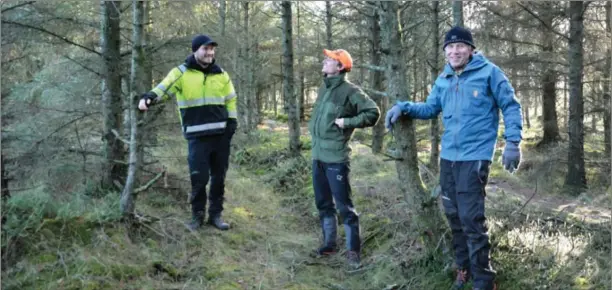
point(201, 40)
point(458, 34)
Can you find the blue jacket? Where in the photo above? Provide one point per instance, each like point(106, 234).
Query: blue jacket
point(470, 104)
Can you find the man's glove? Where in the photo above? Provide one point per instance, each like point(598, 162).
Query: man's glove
point(511, 156)
point(392, 115)
point(146, 101)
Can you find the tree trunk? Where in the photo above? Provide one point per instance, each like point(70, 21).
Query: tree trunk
point(328, 25)
point(289, 99)
point(128, 198)
point(595, 105)
point(301, 78)
point(275, 100)
point(526, 112)
point(248, 77)
point(246, 58)
point(147, 46)
point(150, 138)
point(458, 13)
point(576, 175)
point(260, 103)
point(222, 10)
point(608, 85)
point(434, 128)
point(111, 93)
point(6, 194)
point(565, 102)
point(255, 90)
point(376, 81)
point(420, 203)
point(549, 81)
point(361, 55)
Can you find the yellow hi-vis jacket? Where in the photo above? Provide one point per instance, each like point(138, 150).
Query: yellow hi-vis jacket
point(205, 97)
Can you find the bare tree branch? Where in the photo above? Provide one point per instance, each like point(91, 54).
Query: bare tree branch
point(497, 37)
point(52, 34)
point(83, 66)
point(530, 198)
point(360, 10)
point(17, 6)
point(84, 152)
point(542, 21)
point(37, 143)
point(118, 136)
point(150, 183)
point(371, 91)
point(370, 67)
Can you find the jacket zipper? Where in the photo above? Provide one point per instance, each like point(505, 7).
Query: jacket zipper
point(318, 114)
point(457, 107)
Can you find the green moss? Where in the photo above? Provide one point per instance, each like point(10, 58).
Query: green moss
point(44, 258)
point(122, 271)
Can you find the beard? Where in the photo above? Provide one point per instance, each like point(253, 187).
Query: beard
point(206, 59)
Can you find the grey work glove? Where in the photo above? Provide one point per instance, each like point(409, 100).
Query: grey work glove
point(392, 115)
point(511, 158)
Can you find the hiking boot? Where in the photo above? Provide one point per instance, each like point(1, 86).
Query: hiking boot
point(197, 219)
point(218, 223)
point(326, 251)
point(494, 287)
point(353, 260)
point(461, 279)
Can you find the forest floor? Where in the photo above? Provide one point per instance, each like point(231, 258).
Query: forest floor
point(550, 242)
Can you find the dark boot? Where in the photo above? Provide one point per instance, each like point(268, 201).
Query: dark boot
point(353, 260)
point(463, 275)
point(494, 287)
point(197, 219)
point(329, 227)
point(353, 243)
point(218, 222)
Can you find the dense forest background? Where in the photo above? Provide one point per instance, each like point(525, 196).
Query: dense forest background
point(94, 193)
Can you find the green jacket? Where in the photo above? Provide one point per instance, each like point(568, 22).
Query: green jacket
point(339, 98)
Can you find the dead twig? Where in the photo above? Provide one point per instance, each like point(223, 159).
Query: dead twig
point(530, 198)
point(150, 183)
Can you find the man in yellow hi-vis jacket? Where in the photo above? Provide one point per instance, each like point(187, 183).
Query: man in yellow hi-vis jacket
point(207, 104)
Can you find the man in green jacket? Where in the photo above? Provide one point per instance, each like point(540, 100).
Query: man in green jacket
point(340, 108)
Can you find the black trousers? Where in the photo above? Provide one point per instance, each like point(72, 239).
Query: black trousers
point(208, 159)
point(463, 195)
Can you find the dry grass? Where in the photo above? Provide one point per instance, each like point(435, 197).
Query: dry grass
point(275, 228)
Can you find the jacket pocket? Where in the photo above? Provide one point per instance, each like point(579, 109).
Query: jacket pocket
point(482, 171)
point(476, 100)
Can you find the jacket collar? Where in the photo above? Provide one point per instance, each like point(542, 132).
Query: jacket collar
point(334, 81)
point(213, 68)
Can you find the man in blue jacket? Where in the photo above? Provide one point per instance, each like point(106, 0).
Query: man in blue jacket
point(469, 93)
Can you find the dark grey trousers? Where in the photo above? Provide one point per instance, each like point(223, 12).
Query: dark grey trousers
point(463, 195)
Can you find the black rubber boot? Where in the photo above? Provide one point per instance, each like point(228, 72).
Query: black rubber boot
point(218, 223)
point(197, 219)
point(329, 228)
